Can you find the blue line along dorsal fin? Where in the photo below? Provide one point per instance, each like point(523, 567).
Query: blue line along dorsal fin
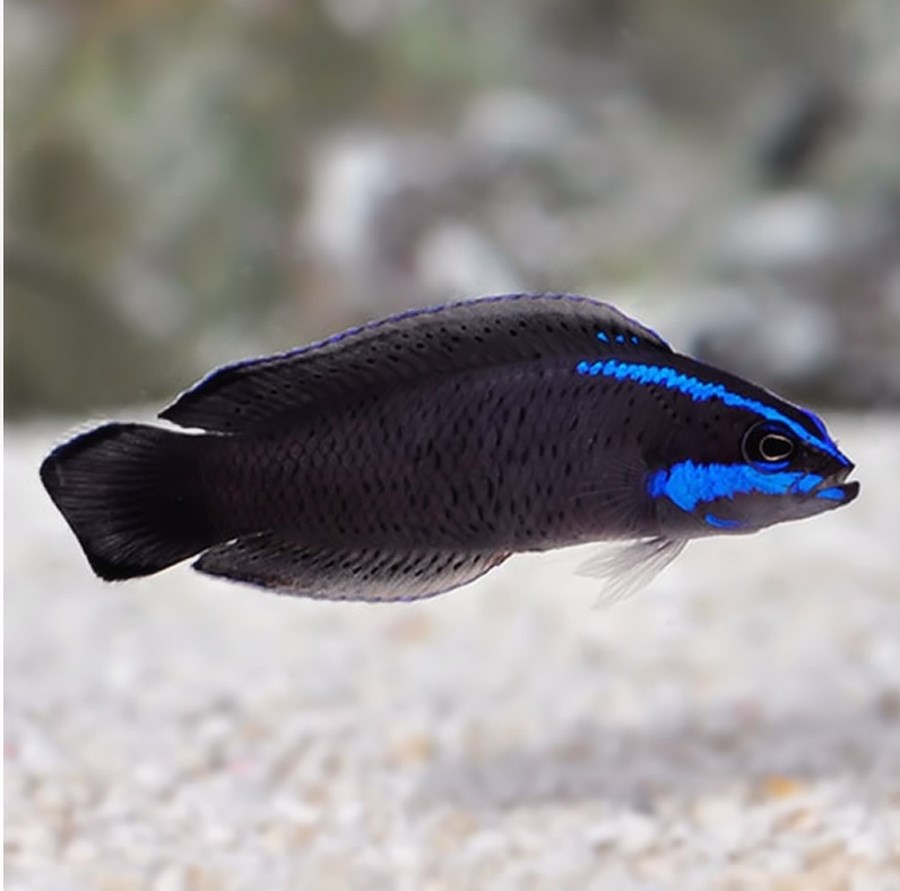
point(413, 346)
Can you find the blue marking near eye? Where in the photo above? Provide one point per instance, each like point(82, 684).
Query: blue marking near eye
point(620, 338)
point(688, 484)
point(833, 494)
point(719, 523)
point(635, 339)
point(702, 391)
point(769, 466)
point(601, 335)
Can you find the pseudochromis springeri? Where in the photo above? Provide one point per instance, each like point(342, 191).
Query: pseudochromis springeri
point(409, 456)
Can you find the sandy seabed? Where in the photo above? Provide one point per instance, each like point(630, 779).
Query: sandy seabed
point(736, 726)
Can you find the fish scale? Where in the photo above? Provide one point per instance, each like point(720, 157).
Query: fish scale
point(411, 455)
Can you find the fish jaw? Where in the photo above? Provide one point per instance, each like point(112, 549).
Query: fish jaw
point(699, 500)
point(835, 488)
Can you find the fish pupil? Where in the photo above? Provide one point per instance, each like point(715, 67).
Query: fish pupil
point(774, 447)
point(768, 446)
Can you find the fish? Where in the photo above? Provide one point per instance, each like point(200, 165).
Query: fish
point(411, 455)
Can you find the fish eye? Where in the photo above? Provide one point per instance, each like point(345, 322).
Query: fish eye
point(768, 446)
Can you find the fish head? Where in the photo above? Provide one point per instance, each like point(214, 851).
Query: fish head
point(769, 462)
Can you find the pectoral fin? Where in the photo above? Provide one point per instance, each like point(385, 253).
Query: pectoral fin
point(627, 569)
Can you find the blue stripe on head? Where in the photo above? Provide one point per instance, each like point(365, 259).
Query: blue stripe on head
point(703, 391)
point(688, 484)
point(817, 422)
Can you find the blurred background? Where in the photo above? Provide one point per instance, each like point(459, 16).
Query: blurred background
point(193, 182)
point(189, 182)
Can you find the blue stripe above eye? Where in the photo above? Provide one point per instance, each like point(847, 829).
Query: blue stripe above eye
point(703, 391)
point(817, 421)
point(688, 484)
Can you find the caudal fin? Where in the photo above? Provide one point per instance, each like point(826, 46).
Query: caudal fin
point(132, 495)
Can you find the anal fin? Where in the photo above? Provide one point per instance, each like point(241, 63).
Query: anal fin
point(281, 562)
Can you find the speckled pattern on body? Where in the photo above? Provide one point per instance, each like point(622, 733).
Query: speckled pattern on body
point(412, 455)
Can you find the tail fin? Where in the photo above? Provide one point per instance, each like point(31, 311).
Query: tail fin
point(132, 496)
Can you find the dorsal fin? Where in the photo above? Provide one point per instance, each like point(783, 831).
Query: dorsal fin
point(417, 344)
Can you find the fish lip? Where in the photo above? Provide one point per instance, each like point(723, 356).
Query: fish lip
point(849, 490)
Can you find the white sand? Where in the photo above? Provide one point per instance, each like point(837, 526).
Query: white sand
point(737, 726)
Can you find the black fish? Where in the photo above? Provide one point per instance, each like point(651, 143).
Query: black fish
point(410, 456)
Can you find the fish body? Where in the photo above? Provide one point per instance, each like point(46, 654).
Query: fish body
point(409, 456)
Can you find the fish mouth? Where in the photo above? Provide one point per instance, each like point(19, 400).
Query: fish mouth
point(835, 487)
